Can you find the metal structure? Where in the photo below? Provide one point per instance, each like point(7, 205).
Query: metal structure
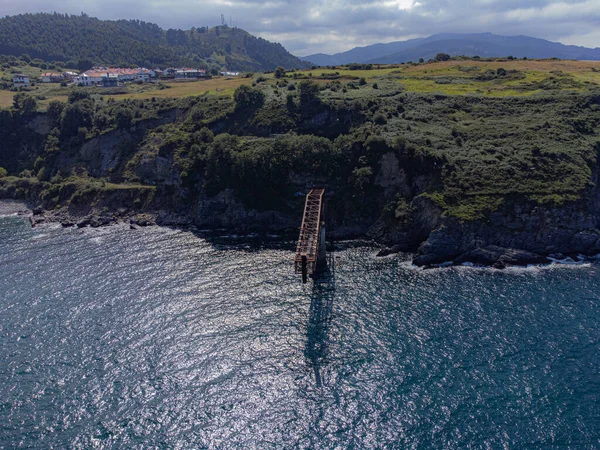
point(309, 251)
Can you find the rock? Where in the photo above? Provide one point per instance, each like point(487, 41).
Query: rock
point(96, 222)
point(143, 220)
point(501, 257)
point(389, 251)
point(36, 220)
point(83, 223)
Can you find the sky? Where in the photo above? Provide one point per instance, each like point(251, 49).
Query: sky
point(328, 26)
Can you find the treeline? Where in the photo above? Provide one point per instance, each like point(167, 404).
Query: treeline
point(73, 39)
point(259, 170)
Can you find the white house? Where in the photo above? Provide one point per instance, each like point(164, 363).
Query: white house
point(19, 78)
point(190, 73)
point(49, 77)
point(107, 76)
point(91, 78)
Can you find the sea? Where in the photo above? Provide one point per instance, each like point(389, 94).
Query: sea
point(162, 338)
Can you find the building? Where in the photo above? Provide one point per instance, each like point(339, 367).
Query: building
point(90, 78)
point(111, 76)
point(70, 75)
point(110, 80)
point(49, 77)
point(19, 78)
point(170, 72)
point(230, 74)
point(190, 73)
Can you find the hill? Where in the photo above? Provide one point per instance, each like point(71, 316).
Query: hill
point(63, 37)
point(484, 45)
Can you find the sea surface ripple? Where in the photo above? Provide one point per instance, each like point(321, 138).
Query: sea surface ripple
point(159, 338)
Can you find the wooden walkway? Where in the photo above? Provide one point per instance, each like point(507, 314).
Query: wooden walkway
point(310, 232)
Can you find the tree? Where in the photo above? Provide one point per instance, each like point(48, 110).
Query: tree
point(78, 94)
point(361, 178)
point(77, 115)
point(53, 141)
point(442, 57)
point(123, 117)
point(248, 99)
point(25, 104)
point(309, 93)
point(279, 72)
point(84, 64)
point(3, 172)
point(55, 109)
point(421, 60)
point(219, 160)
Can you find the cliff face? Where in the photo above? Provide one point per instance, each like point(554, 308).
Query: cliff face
point(527, 228)
point(487, 181)
point(519, 232)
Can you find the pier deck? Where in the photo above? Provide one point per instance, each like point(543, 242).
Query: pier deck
point(310, 231)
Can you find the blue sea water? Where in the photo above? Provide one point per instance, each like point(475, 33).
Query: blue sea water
point(160, 338)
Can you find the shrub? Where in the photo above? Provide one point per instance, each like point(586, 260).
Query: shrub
point(3, 172)
point(279, 72)
point(78, 94)
point(380, 119)
point(25, 104)
point(362, 81)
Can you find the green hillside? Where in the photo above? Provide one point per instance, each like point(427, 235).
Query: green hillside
point(84, 39)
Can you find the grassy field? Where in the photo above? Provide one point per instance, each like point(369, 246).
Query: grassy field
point(524, 78)
point(172, 89)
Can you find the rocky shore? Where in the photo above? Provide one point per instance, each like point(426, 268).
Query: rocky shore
point(451, 243)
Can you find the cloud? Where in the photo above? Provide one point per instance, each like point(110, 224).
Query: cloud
point(311, 26)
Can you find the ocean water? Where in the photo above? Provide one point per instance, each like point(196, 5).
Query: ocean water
point(160, 338)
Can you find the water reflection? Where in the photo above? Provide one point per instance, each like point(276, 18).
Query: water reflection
point(320, 316)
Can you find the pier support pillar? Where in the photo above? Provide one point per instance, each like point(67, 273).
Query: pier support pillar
point(322, 255)
point(304, 269)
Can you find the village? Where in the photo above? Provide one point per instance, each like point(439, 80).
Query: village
point(116, 76)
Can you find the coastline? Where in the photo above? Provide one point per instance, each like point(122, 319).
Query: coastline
point(490, 257)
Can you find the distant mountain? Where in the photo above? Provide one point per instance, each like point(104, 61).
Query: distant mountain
point(484, 45)
point(63, 37)
point(361, 54)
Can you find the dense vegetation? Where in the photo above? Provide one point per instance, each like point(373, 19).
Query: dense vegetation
point(82, 41)
point(379, 148)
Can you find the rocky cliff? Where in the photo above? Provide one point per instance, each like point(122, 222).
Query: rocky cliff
point(452, 179)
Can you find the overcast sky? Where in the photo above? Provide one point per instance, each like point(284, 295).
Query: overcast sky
point(329, 26)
